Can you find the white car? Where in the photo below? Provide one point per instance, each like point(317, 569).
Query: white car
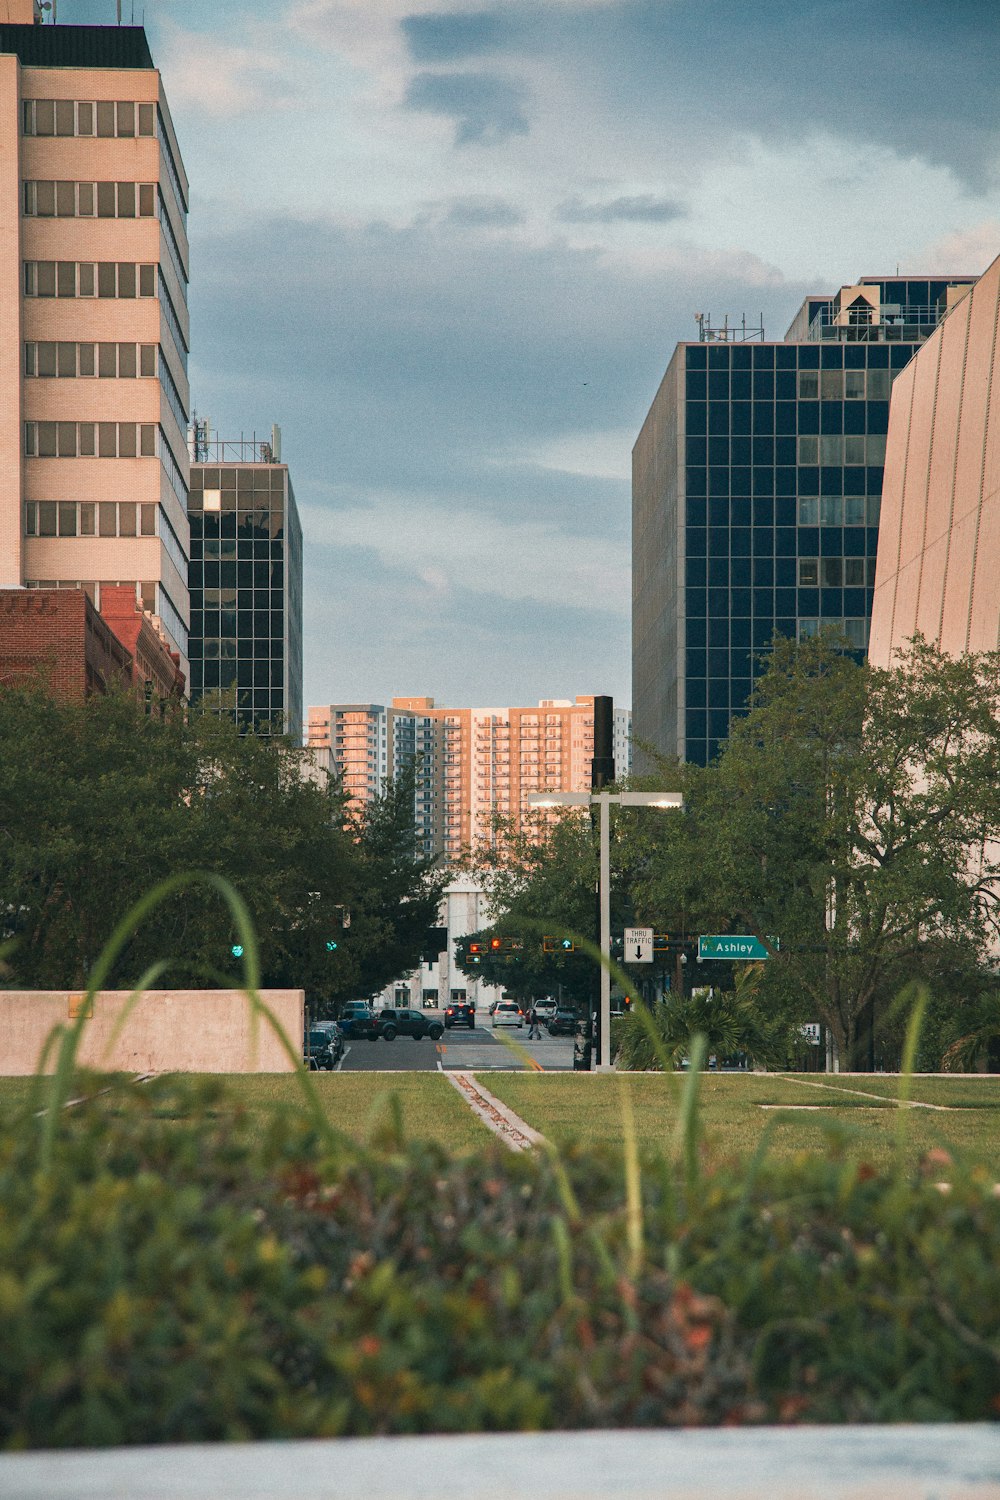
point(545, 1009)
point(508, 1014)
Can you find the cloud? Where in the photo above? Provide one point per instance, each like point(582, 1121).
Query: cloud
point(219, 78)
point(964, 250)
point(642, 208)
point(481, 212)
point(486, 108)
point(454, 36)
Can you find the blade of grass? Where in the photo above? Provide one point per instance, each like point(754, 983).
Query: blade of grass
point(686, 1131)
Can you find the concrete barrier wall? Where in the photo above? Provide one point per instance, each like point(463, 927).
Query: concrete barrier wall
point(183, 1031)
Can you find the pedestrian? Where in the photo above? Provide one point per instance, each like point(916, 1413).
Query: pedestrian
point(534, 1027)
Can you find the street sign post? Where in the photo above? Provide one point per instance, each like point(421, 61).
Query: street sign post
point(638, 948)
point(731, 947)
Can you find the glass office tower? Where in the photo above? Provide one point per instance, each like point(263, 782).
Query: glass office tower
point(245, 580)
point(757, 480)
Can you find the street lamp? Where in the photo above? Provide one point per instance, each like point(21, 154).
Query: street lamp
point(668, 802)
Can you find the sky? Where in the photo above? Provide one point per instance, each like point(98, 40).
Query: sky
point(450, 250)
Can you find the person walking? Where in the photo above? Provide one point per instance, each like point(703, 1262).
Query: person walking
point(534, 1026)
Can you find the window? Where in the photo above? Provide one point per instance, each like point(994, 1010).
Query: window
point(831, 572)
point(808, 449)
point(808, 385)
point(126, 361)
point(71, 200)
point(90, 439)
point(79, 117)
point(808, 510)
point(67, 278)
point(808, 572)
point(85, 518)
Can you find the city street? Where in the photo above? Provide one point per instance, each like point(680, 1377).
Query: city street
point(481, 1049)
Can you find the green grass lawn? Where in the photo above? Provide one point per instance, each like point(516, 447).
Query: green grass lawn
point(357, 1103)
point(737, 1109)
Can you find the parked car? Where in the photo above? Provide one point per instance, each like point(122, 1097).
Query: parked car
point(563, 1022)
point(460, 1013)
point(335, 1037)
point(389, 1024)
point(545, 1009)
point(351, 1012)
point(508, 1014)
point(317, 1052)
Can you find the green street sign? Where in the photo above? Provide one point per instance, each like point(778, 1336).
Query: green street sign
point(731, 946)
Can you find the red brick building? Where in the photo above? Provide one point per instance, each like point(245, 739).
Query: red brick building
point(55, 639)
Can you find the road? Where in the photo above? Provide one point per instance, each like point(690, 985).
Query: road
point(481, 1048)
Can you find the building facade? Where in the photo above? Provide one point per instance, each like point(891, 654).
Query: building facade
point(245, 582)
point(757, 485)
point(56, 641)
point(470, 765)
point(93, 301)
point(939, 541)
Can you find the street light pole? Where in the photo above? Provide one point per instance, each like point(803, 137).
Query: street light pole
point(667, 802)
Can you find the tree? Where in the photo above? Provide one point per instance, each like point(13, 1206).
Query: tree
point(853, 815)
point(99, 801)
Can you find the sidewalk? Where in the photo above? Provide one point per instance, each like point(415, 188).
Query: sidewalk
point(946, 1462)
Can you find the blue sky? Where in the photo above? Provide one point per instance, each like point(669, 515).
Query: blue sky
point(450, 251)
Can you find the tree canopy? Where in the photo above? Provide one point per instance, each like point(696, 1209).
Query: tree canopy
point(851, 823)
point(100, 800)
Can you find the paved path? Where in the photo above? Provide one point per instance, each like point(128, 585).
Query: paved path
point(496, 1116)
point(946, 1462)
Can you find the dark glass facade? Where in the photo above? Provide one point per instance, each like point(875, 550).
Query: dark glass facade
point(245, 579)
point(756, 492)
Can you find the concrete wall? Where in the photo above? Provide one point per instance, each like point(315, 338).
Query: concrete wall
point(185, 1031)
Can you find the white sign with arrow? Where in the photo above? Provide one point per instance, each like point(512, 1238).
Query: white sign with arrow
point(638, 947)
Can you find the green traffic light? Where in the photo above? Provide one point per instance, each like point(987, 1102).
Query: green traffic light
point(330, 945)
point(237, 950)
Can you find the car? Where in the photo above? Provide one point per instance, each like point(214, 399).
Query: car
point(351, 1012)
point(545, 1009)
point(335, 1036)
point(460, 1013)
point(317, 1052)
point(389, 1024)
point(508, 1014)
point(562, 1022)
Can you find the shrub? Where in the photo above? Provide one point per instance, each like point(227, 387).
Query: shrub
point(180, 1274)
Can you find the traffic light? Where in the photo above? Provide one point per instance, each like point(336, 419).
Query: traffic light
point(557, 945)
point(237, 950)
point(475, 953)
point(331, 945)
point(496, 944)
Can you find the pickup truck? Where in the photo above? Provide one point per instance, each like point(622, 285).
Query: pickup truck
point(389, 1024)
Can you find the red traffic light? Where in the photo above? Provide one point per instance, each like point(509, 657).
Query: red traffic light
point(496, 944)
point(475, 947)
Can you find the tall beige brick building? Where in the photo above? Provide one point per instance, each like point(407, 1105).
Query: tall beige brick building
point(93, 304)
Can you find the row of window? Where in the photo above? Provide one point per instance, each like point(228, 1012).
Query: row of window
point(836, 572)
point(844, 385)
point(836, 449)
point(108, 361)
point(242, 481)
point(806, 356)
point(839, 510)
point(90, 439)
point(100, 117)
point(856, 630)
point(242, 648)
point(88, 278)
point(89, 518)
point(764, 386)
point(89, 200)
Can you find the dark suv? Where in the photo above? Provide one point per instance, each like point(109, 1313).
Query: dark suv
point(460, 1013)
point(389, 1024)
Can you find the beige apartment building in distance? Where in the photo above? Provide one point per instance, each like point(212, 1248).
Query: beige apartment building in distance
point(93, 303)
point(938, 569)
point(470, 763)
